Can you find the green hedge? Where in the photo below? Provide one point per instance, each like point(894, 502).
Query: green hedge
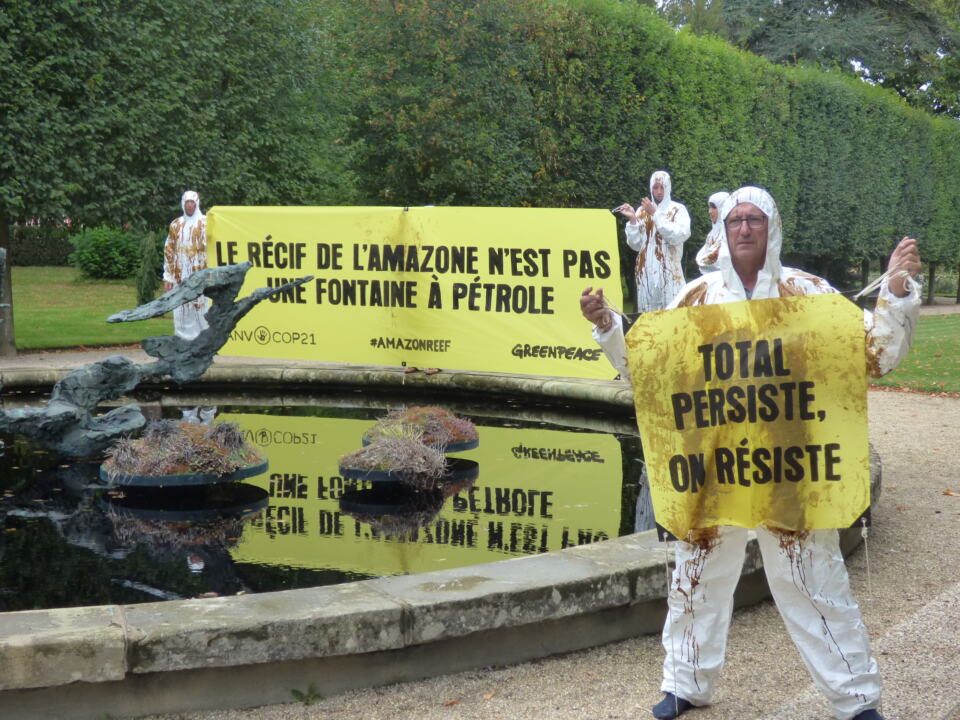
point(574, 104)
point(44, 244)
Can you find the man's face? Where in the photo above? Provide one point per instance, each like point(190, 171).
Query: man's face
point(713, 213)
point(747, 236)
point(190, 206)
point(658, 192)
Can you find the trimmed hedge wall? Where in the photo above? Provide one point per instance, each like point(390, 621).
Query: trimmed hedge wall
point(43, 244)
point(574, 104)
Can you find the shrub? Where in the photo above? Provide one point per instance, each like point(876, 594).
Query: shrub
point(150, 270)
point(43, 244)
point(105, 252)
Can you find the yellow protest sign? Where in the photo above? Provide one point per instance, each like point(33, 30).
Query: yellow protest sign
point(490, 289)
point(539, 490)
point(753, 413)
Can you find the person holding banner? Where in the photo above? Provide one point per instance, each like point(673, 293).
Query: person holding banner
point(805, 569)
point(708, 254)
point(657, 230)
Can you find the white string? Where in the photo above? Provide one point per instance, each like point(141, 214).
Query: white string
point(895, 271)
point(673, 652)
point(613, 307)
point(866, 555)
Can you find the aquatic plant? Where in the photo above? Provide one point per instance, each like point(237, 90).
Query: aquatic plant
point(433, 425)
point(414, 463)
point(178, 448)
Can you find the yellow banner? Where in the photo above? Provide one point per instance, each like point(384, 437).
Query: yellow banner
point(754, 413)
point(491, 289)
point(538, 491)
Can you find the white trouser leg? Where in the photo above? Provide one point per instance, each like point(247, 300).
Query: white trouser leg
point(809, 582)
point(188, 321)
point(700, 604)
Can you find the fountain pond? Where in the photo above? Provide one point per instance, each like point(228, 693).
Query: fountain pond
point(544, 477)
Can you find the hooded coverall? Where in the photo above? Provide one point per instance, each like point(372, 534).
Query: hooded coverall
point(184, 253)
point(806, 572)
point(658, 240)
point(708, 254)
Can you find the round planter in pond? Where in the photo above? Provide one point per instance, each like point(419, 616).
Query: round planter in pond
point(182, 479)
point(448, 448)
point(378, 476)
point(458, 470)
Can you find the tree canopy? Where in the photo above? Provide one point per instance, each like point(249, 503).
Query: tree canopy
point(110, 109)
point(910, 47)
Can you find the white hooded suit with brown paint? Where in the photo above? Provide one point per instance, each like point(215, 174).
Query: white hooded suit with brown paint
point(184, 253)
point(805, 571)
point(707, 255)
point(658, 240)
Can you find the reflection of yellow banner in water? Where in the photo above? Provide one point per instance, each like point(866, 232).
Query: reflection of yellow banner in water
point(538, 490)
point(754, 413)
point(491, 289)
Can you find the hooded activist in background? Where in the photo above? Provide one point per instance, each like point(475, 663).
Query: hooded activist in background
point(184, 253)
point(707, 255)
point(657, 230)
point(805, 571)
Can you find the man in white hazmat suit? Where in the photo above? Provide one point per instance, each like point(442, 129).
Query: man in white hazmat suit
point(707, 255)
point(184, 253)
point(819, 610)
point(657, 230)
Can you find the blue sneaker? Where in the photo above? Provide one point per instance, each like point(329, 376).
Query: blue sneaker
point(868, 715)
point(670, 707)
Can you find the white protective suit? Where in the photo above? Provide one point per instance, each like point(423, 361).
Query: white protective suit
point(806, 571)
point(658, 240)
point(707, 255)
point(184, 253)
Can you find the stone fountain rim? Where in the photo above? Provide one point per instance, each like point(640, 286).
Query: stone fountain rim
point(112, 643)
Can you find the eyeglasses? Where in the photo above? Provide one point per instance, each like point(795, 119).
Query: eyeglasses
point(736, 223)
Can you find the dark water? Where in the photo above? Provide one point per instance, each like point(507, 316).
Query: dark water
point(548, 477)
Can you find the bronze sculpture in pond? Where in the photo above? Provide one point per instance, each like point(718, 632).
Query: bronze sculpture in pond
point(67, 422)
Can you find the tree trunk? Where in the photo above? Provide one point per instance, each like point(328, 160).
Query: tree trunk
point(8, 346)
point(864, 272)
point(931, 278)
point(958, 284)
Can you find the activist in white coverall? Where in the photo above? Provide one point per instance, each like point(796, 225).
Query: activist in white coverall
point(805, 571)
point(184, 253)
point(707, 255)
point(657, 230)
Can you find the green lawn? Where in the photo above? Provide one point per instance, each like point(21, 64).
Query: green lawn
point(56, 307)
point(933, 364)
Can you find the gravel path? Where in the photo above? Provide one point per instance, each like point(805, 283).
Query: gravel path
point(910, 598)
